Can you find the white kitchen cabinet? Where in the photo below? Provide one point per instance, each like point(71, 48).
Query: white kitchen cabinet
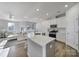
point(45, 25)
point(61, 35)
point(53, 21)
point(61, 22)
point(72, 27)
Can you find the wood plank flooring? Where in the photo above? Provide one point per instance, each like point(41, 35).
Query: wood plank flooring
point(18, 51)
point(61, 50)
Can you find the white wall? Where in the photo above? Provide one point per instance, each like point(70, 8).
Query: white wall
point(18, 25)
point(42, 26)
point(3, 25)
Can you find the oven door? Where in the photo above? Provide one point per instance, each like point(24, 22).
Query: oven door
point(52, 35)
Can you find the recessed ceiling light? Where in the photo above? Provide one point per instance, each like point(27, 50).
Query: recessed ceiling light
point(47, 14)
point(37, 9)
point(66, 5)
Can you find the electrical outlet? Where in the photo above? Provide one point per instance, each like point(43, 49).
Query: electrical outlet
point(50, 46)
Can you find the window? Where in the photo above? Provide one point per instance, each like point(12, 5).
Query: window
point(11, 27)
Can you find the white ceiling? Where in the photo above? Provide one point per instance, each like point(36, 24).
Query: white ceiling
point(26, 11)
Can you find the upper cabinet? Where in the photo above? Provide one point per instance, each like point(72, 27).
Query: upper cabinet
point(61, 22)
point(45, 25)
point(53, 21)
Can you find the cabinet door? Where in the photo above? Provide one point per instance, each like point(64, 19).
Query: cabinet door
point(72, 26)
point(70, 33)
point(61, 22)
point(61, 37)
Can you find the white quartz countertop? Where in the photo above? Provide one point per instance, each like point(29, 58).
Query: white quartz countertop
point(42, 40)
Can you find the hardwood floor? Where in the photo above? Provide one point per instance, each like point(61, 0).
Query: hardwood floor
point(61, 50)
point(18, 51)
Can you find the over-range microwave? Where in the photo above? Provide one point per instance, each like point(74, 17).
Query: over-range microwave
point(53, 26)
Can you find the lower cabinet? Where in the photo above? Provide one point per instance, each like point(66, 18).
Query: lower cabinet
point(61, 36)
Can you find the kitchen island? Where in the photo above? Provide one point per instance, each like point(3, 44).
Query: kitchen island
point(41, 46)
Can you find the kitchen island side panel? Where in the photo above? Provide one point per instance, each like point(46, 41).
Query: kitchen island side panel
point(34, 50)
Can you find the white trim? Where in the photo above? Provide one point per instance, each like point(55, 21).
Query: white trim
point(28, 54)
point(44, 51)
